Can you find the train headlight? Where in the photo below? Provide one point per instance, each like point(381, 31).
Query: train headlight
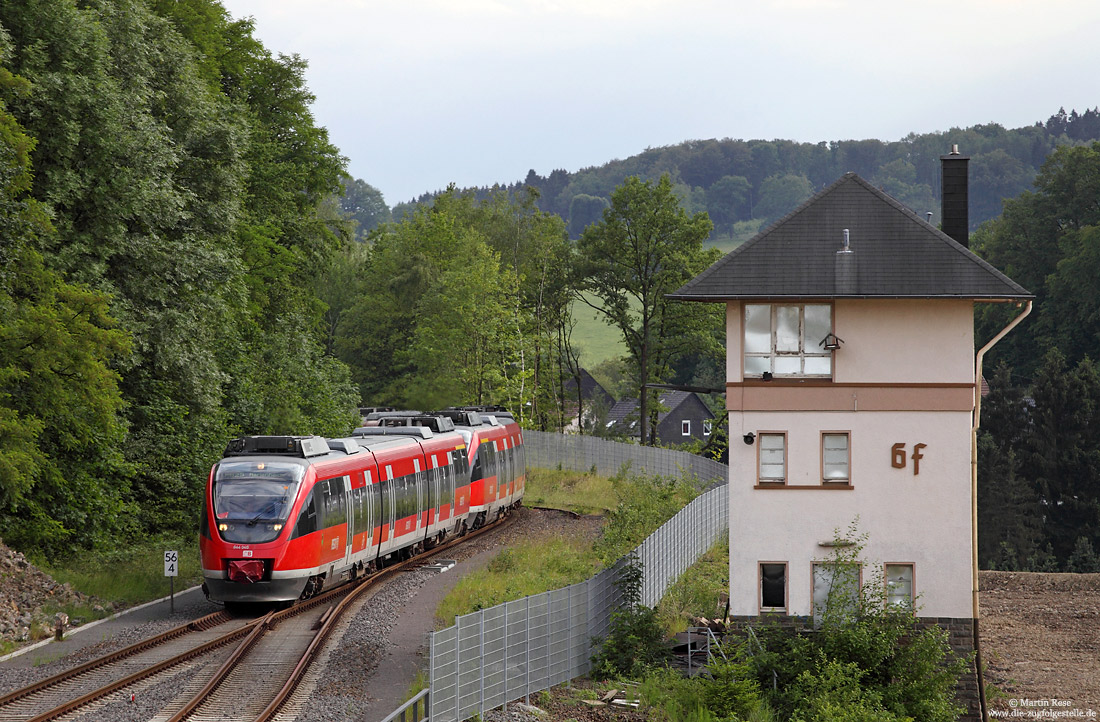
point(223, 527)
point(276, 527)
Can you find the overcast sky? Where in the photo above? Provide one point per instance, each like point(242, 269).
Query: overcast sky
point(421, 93)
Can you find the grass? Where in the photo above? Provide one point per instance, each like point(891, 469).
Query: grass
point(583, 493)
point(124, 578)
point(635, 506)
point(698, 591)
point(131, 575)
point(599, 342)
point(596, 340)
point(530, 567)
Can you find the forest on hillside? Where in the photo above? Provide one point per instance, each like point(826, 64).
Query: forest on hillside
point(165, 212)
point(743, 185)
point(180, 266)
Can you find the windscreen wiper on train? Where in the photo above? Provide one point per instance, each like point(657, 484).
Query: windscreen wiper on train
point(270, 507)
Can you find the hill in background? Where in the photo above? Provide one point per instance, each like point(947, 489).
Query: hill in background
point(746, 184)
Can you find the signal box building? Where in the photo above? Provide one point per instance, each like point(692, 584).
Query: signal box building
point(851, 393)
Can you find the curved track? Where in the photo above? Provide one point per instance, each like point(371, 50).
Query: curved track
point(261, 661)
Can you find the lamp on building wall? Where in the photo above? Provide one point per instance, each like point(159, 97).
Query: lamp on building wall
point(749, 438)
point(831, 342)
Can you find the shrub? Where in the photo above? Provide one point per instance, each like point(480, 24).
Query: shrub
point(635, 643)
point(907, 671)
point(833, 691)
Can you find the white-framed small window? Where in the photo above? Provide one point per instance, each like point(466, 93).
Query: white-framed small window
point(773, 586)
point(685, 427)
point(708, 427)
point(772, 454)
point(836, 459)
point(899, 585)
point(787, 340)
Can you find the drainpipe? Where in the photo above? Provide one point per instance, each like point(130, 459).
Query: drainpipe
point(974, 496)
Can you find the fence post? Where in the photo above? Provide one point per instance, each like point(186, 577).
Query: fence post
point(481, 661)
point(431, 670)
point(527, 648)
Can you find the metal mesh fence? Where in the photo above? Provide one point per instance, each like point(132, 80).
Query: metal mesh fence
point(509, 651)
point(548, 450)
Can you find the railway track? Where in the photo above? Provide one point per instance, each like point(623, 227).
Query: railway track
point(259, 662)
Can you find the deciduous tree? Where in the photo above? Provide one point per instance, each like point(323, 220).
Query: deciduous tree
point(647, 247)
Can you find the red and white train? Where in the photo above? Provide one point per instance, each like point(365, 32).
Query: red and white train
point(285, 516)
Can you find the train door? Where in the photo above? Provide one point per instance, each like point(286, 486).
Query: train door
point(418, 476)
point(350, 508)
point(391, 504)
point(434, 494)
point(449, 490)
point(507, 468)
point(368, 507)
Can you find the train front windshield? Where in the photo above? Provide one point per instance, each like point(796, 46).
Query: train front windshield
point(252, 499)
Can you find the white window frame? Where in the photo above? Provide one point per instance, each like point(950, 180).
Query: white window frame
point(786, 357)
point(833, 466)
point(896, 596)
point(685, 427)
point(764, 457)
point(708, 427)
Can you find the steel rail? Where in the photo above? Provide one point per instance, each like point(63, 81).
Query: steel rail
point(149, 671)
point(198, 625)
point(349, 593)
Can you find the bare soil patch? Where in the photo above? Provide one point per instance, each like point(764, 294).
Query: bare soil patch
point(1040, 636)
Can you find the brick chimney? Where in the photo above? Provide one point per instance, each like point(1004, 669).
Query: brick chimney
point(955, 205)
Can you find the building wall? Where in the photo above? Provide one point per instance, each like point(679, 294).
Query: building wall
point(903, 376)
point(670, 429)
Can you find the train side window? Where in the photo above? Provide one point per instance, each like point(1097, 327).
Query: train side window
point(435, 479)
point(204, 521)
point(359, 498)
point(307, 519)
point(334, 510)
point(403, 503)
point(385, 502)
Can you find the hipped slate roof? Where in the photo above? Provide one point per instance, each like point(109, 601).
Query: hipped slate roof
point(895, 254)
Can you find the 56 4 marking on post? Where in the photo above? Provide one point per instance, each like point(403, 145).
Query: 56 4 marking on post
point(171, 564)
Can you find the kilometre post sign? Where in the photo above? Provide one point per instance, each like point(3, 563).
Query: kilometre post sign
point(171, 564)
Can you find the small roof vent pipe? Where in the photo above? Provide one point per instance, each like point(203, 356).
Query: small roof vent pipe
point(929, 215)
point(845, 274)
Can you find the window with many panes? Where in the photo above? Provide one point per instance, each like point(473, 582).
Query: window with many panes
point(772, 458)
point(835, 457)
point(787, 340)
